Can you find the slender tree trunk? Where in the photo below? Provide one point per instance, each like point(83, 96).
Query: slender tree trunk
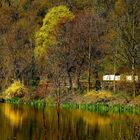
point(89, 66)
point(79, 70)
point(133, 77)
point(133, 56)
point(58, 90)
point(98, 83)
point(89, 51)
point(114, 82)
point(70, 81)
point(78, 80)
point(58, 95)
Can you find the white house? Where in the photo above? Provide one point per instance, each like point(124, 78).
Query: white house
point(111, 77)
point(129, 78)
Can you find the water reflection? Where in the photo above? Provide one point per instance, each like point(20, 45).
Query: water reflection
point(93, 119)
point(14, 114)
point(25, 123)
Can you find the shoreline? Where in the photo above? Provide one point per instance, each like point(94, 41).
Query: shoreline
point(92, 107)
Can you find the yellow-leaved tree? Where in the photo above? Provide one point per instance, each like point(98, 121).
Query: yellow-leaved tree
point(46, 36)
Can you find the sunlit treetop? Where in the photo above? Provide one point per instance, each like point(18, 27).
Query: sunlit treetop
point(120, 7)
point(46, 36)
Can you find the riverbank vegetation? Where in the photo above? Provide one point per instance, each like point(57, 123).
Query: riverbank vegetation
point(59, 52)
point(101, 102)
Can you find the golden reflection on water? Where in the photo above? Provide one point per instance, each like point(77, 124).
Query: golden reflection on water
point(15, 116)
point(26, 123)
point(93, 119)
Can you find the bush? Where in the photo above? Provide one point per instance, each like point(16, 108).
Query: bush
point(16, 89)
point(100, 94)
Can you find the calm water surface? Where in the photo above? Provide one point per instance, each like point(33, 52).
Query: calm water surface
point(26, 123)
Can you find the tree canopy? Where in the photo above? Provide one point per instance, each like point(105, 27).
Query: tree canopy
point(46, 36)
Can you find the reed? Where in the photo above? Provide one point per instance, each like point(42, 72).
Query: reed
point(93, 107)
point(104, 108)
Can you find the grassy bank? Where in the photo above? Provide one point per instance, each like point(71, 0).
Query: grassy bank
point(104, 108)
point(97, 101)
point(93, 107)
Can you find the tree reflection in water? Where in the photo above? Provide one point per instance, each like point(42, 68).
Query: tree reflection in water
point(26, 123)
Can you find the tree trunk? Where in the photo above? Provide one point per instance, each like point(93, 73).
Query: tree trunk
point(78, 78)
point(58, 95)
point(78, 83)
point(89, 66)
point(70, 81)
point(98, 83)
point(134, 52)
point(114, 82)
point(133, 77)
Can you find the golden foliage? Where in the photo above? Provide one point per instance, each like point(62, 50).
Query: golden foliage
point(120, 7)
point(16, 89)
point(101, 94)
point(46, 36)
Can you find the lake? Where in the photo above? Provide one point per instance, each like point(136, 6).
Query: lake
point(27, 123)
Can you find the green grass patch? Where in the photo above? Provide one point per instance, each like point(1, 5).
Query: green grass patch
point(104, 108)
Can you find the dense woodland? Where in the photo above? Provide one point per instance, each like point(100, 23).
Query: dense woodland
point(68, 45)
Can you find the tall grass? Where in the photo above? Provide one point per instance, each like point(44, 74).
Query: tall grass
point(104, 108)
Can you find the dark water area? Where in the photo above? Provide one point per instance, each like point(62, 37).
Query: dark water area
point(28, 123)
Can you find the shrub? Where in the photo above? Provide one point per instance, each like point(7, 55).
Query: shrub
point(100, 94)
point(16, 89)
